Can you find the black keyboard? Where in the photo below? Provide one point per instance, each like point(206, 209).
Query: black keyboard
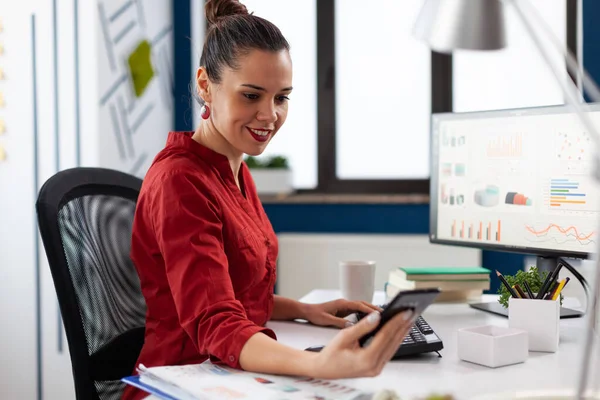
point(420, 339)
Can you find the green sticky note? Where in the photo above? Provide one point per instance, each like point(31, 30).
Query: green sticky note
point(140, 67)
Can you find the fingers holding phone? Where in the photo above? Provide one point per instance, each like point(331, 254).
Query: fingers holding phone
point(344, 357)
point(389, 338)
point(365, 348)
point(383, 345)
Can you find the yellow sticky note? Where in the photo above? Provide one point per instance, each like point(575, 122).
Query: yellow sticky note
point(2, 127)
point(1, 49)
point(1, 73)
point(1, 25)
point(2, 154)
point(1, 100)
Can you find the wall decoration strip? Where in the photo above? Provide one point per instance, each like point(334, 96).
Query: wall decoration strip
point(115, 122)
point(107, 42)
point(161, 35)
point(137, 123)
point(56, 91)
point(59, 335)
point(126, 128)
point(113, 89)
point(163, 79)
point(36, 242)
point(124, 32)
point(140, 11)
point(120, 11)
point(162, 66)
point(138, 164)
point(169, 68)
point(77, 99)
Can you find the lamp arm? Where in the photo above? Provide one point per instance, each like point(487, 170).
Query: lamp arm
point(572, 95)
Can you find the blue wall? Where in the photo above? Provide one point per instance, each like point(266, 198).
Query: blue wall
point(182, 32)
point(591, 38)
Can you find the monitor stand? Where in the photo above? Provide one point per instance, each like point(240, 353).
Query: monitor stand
point(546, 263)
point(543, 264)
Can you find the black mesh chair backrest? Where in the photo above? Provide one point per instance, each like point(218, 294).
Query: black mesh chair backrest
point(85, 217)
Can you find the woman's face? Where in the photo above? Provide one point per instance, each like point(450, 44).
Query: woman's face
point(251, 103)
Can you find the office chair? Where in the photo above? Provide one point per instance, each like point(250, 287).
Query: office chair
point(85, 217)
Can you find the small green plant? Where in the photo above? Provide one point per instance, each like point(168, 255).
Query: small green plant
point(253, 162)
point(533, 279)
point(392, 395)
point(439, 397)
point(272, 162)
point(278, 162)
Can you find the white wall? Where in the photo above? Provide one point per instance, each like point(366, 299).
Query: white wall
point(17, 235)
point(74, 127)
point(310, 261)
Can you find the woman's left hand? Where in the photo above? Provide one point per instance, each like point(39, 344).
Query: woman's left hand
point(333, 312)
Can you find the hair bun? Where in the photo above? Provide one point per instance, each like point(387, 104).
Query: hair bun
point(217, 9)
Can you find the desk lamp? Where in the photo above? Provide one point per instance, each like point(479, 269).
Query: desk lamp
point(449, 25)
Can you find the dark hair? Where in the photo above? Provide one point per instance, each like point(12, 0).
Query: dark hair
point(233, 32)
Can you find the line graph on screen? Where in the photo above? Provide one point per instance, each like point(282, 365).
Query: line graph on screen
point(559, 234)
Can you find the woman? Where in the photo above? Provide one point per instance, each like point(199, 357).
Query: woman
point(202, 243)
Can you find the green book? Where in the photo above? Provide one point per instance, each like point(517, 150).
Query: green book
point(442, 273)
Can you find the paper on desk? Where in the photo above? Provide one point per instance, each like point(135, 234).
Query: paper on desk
point(208, 381)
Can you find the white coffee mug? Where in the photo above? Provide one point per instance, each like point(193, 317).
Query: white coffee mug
point(357, 280)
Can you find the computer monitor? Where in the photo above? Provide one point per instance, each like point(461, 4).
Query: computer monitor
point(515, 180)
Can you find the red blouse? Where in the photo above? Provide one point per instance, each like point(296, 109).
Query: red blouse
point(206, 256)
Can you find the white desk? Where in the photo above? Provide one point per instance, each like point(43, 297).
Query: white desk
point(450, 375)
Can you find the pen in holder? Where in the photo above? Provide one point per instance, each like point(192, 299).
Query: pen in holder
point(540, 318)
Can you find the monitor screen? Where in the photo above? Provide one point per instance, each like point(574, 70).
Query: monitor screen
point(515, 180)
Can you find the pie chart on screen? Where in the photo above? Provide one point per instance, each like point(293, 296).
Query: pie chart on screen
point(488, 197)
point(518, 199)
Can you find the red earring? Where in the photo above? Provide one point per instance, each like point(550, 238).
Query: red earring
point(205, 111)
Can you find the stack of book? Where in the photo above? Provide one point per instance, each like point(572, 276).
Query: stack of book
point(457, 284)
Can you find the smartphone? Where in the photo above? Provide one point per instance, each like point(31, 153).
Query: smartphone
point(416, 300)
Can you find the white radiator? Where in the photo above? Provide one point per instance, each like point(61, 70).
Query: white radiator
point(310, 261)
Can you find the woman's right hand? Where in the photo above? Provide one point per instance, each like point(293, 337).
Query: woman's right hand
point(343, 357)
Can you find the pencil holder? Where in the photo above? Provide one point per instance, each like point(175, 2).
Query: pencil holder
point(540, 319)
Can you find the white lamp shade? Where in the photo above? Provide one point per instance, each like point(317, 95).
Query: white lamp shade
point(448, 25)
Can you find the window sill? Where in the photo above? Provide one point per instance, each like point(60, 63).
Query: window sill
point(323, 198)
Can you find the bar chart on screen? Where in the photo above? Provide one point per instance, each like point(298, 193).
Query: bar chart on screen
point(490, 231)
point(570, 194)
point(505, 146)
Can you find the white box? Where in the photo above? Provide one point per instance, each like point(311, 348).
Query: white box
point(272, 181)
point(492, 346)
point(540, 319)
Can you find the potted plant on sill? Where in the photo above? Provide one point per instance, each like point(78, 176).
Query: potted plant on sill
point(272, 175)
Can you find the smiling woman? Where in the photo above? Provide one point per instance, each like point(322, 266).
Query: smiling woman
point(202, 244)
point(250, 100)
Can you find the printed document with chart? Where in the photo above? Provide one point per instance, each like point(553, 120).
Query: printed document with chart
point(208, 381)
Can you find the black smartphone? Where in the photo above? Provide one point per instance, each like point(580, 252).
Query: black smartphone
point(416, 300)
